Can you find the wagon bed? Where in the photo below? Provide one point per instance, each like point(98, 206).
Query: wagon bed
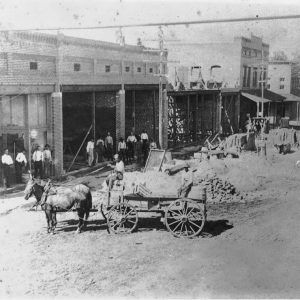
point(183, 217)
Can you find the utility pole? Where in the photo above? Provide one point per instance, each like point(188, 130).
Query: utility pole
point(160, 96)
point(162, 118)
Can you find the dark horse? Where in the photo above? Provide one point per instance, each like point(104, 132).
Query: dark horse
point(61, 199)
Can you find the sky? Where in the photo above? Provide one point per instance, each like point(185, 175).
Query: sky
point(280, 34)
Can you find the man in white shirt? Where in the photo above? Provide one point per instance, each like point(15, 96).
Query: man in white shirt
point(122, 149)
point(21, 162)
point(145, 145)
point(90, 151)
point(186, 182)
point(131, 140)
point(109, 143)
point(118, 173)
point(47, 161)
point(7, 163)
point(99, 150)
point(38, 159)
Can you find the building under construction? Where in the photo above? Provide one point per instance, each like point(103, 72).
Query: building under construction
point(55, 89)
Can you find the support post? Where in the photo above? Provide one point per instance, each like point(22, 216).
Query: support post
point(154, 115)
point(56, 99)
point(134, 113)
point(188, 115)
point(202, 114)
point(94, 115)
point(120, 115)
point(197, 117)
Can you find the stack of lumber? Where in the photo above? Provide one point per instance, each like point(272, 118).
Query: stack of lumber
point(142, 190)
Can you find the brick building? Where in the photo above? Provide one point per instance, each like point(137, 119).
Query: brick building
point(240, 60)
point(238, 66)
point(54, 86)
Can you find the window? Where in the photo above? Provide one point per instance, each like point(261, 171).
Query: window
point(248, 77)
point(150, 70)
point(76, 67)
point(139, 69)
point(268, 86)
point(107, 68)
point(281, 86)
point(244, 76)
point(37, 109)
point(13, 110)
point(282, 78)
point(33, 65)
point(127, 69)
point(254, 77)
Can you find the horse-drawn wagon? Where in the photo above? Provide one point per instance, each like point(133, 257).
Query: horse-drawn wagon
point(183, 217)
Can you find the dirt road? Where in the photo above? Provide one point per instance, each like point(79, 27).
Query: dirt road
point(246, 250)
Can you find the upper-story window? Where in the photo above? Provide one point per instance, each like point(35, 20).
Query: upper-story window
point(76, 67)
point(127, 69)
point(150, 70)
point(107, 68)
point(139, 69)
point(281, 86)
point(282, 78)
point(33, 65)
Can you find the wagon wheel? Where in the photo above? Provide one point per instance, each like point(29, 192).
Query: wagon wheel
point(122, 218)
point(185, 218)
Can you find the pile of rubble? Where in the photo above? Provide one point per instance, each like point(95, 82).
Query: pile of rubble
point(218, 190)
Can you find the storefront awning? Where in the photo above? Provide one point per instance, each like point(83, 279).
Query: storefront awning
point(290, 98)
point(255, 98)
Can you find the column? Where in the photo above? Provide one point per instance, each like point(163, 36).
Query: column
point(237, 111)
point(57, 132)
point(165, 120)
point(120, 115)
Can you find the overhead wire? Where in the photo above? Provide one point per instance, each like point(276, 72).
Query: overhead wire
point(177, 23)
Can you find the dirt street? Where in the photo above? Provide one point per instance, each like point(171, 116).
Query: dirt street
point(248, 249)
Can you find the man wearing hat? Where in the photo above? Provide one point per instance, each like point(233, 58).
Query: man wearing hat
point(118, 172)
point(186, 182)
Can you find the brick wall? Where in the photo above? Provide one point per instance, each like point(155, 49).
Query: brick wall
point(19, 49)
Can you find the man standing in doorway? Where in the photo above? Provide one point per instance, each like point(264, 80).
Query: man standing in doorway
point(99, 150)
point(21, 162)
point(38, 158)
point(7, 162)
point(90, 152)
point(145, 144)
point(131, 141)
point(109, 143)
point(47, 161)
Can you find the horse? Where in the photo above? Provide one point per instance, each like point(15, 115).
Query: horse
point(52, 200)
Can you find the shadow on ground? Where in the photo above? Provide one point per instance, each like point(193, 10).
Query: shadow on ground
point(212, 228)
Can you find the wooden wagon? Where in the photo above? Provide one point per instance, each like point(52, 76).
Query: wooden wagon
point(183, 217)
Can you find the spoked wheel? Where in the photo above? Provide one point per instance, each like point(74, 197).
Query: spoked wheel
point(122, 218)
point(185, 218)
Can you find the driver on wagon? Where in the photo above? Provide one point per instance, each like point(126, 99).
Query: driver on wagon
point(118, 172)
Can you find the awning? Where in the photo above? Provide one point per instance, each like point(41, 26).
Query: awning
point(290, 98)
point(255, 98)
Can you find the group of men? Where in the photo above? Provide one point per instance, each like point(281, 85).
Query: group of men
point(42, 160)
point(135, 147)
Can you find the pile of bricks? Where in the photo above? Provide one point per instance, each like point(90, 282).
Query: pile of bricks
point(219, 190)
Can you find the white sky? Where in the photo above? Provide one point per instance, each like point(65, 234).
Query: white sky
point(281, 34)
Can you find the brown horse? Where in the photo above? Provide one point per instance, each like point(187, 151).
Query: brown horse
point(60, 199)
